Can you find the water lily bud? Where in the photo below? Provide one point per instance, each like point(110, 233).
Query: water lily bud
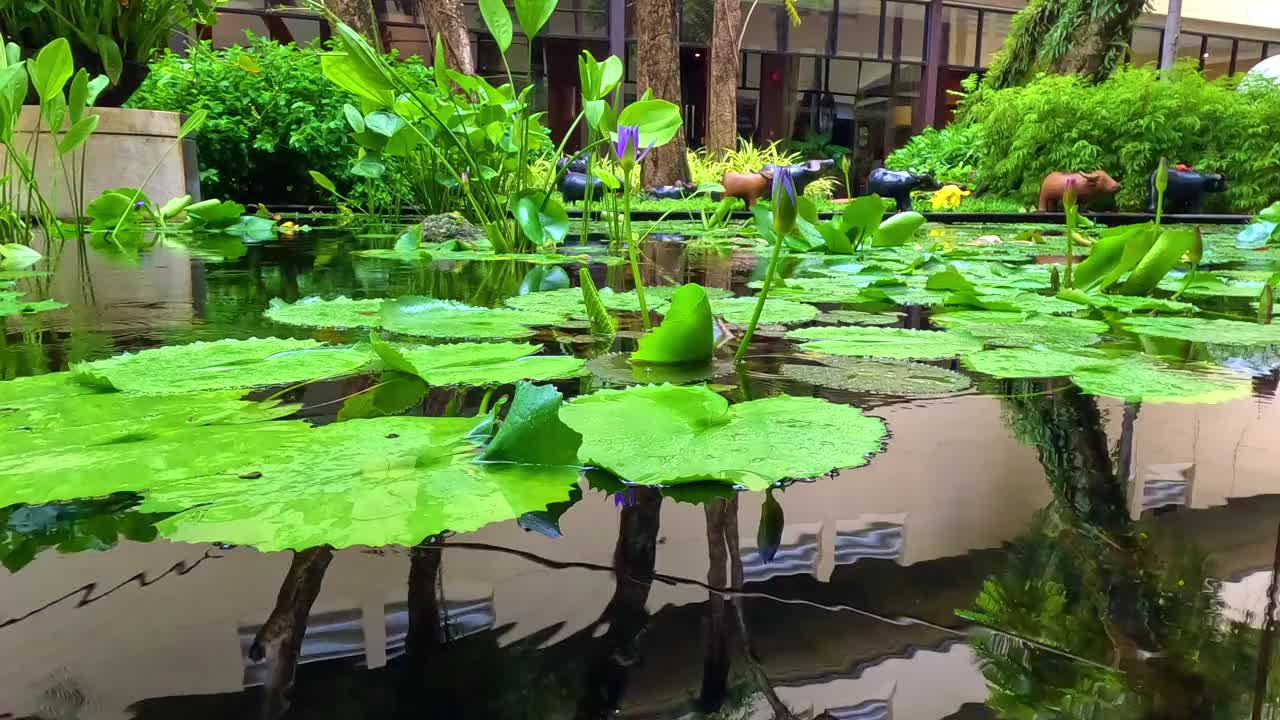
point(784, 202)
point(1264, 305)
point(1069, 195)
point(1196, 252)
point(1162, 176)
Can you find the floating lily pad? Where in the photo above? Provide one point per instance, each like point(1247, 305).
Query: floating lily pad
point(11, 304)
point(1210, 286)
point(820, 290)
point(906, 295)
point(1012, 329)
point(891, 343)
point(221, 365)
point(478, 363)
point(1028, 363)
point(1015, 300)
point(1141, 380)
point(668, 434)
point(1131, 303)
point(655, 297)
point(429, 317)
point(879, 376)
point(618, 368)
point(858, 317)
point(1229, 332)
point(686, 335)
point(738, 310)
point(566, 302)
point(316, 312)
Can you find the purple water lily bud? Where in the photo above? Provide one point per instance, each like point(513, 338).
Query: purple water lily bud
point(784, 202)
point(625, 498)
point(1069, 195)
point(627, 147)
point(139, 204)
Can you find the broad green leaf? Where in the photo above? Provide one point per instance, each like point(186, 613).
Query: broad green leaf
point(533, 14)
point(77, 134)
point(410, 239)
point(667, 434)
point(247, 63)
point(78, 96)
point(14, 255)
point(340, 312)
point(429, 317)
point(686, 335)
point(858, 317)
point(498, 20)
point(174, 206)
point(878, 376)
point(532, 431)
point(542, 219)
point(354, 117)
point(109, 53)
point(323, 181)
point(658, 120)
point(898, 229)
point(1027, 363)
point(949, 279)
point(224, 364)
point(51, 69)
point(345, 72)
point(1013, 329)
point(1205, 330)
point(214, 213)
point(861, 218)
point(1126, 303)
point(395, 393)
point(477, 363)
point(891, 343)
point(383, 123)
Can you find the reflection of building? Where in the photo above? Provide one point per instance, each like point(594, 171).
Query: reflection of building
point(854, 68)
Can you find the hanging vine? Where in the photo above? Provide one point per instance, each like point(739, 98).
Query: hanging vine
point(1086, 37)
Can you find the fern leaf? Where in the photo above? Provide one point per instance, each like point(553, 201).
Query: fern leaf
point(602, 323)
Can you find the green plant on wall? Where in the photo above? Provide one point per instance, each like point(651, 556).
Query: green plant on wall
point(1088, 37)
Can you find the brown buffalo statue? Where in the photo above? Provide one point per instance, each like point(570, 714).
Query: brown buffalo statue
point(1088, 184)
point(748, 186)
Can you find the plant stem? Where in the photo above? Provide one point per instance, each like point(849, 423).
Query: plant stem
point(1071, 231)
point(764, 295)
point(631, 248)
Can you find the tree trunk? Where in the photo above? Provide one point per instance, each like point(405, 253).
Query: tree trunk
point(444, 18)
point(358, 14)
point(658, 61)
point(722, 85)
point(279, 640)
point(1172, 29)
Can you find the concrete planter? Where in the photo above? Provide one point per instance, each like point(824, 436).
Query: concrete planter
point(120, 153)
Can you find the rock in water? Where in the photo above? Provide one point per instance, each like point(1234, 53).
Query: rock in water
point(450, 226)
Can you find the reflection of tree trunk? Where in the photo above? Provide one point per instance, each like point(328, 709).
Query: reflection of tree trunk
point(279, 640)
point(426, 630)
point(633, 562)
point(715, 663)
point(1266, 644)
point(359, 15)
point(444, 18)
point(658, 61)
point(1124, 449)
point(754, 667)
point(722, 85)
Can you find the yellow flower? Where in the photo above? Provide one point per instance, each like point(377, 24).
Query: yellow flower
point(948, 197)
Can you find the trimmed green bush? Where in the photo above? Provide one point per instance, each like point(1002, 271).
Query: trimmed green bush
point(950, 155)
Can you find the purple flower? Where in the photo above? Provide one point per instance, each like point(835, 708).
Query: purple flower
point(784, 202)
point(782, 182)
point(139, 204)
point(625, 498)
point(627, 147)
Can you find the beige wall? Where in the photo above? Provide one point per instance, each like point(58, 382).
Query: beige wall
point(1256, 13)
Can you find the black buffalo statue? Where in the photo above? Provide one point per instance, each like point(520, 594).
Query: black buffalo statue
point(577, 164)
point(573, 186)
point(804, 173)
point(898, 184)
point(679, 191)
point(1186, 187)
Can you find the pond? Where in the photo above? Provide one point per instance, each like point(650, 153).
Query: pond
point(991, 504)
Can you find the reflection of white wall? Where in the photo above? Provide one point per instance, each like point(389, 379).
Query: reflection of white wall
point(1246, 599)
point(926, 686)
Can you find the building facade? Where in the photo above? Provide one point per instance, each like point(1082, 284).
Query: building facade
point(861, 74)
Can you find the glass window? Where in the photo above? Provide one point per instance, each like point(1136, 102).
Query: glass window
point(904, 31)
point(807, 77)
point(1188, 46)
point(960, 28)
point(1146, 46)
point(751, 69)
point(810, 36)
point(1248, 54)
point(858, 28)
point(874, 78)
point(760, 20)
point(231, 27)
point(695, 21)
point(995, 28)
point(1217, 57)
point(907, 84)
point(843, 77)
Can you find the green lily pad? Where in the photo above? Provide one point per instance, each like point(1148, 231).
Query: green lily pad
point(1028, 363)
point(1012, 329)
point(221, 365)
point(738, 311)
point(891, 343)
point(341, 312)
point(1131, 303)
point(669, 434)
point(858, 317)
point(10, 304)
point(429, 317)
point(686, 335)
point(820, 290)
point(1015, 300)
point(477, 363)
point(566, 302)
point(1194, 329)
point(879, 376)
point(1210, 286)
point(532, 432)
point(656, 298)
point(617, 368)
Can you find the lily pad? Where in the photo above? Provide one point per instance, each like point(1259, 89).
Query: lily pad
point(566, 302)
point(1129, 303)
point(221, 365)
point(686, 335)
point(617, 368)
point(821, 290)
point(429, 317)
point(341, 312)
point(1148, 382)
point(891, 343)
point(1012, 329)
point(738, 311)
point(1028, 363)
point(477, 363)
point(668, 434)
point(657, 297)
point(879, 376)
point(858, 317)
point(10, 304)
point(1194, 329)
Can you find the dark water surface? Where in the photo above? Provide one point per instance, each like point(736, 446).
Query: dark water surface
point(1107, 560)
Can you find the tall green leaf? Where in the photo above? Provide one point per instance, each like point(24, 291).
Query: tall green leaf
point(109, 53)
point(602, 323)
point(541, 218)
point(533, 14)
point(193, 123)
point(78, 133)
point(52, 69)
point(498, 20)
point(78, 96)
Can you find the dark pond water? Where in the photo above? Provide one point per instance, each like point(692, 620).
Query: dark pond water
point(1017, 549)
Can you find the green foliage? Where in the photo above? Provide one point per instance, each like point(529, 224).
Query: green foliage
point(1069, 36)
point(950, 155)
point(273, 117)
point(1125, 125)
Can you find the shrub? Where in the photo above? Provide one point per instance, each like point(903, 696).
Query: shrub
point(272, 117)
point(1124, 125)
point(950, 155)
